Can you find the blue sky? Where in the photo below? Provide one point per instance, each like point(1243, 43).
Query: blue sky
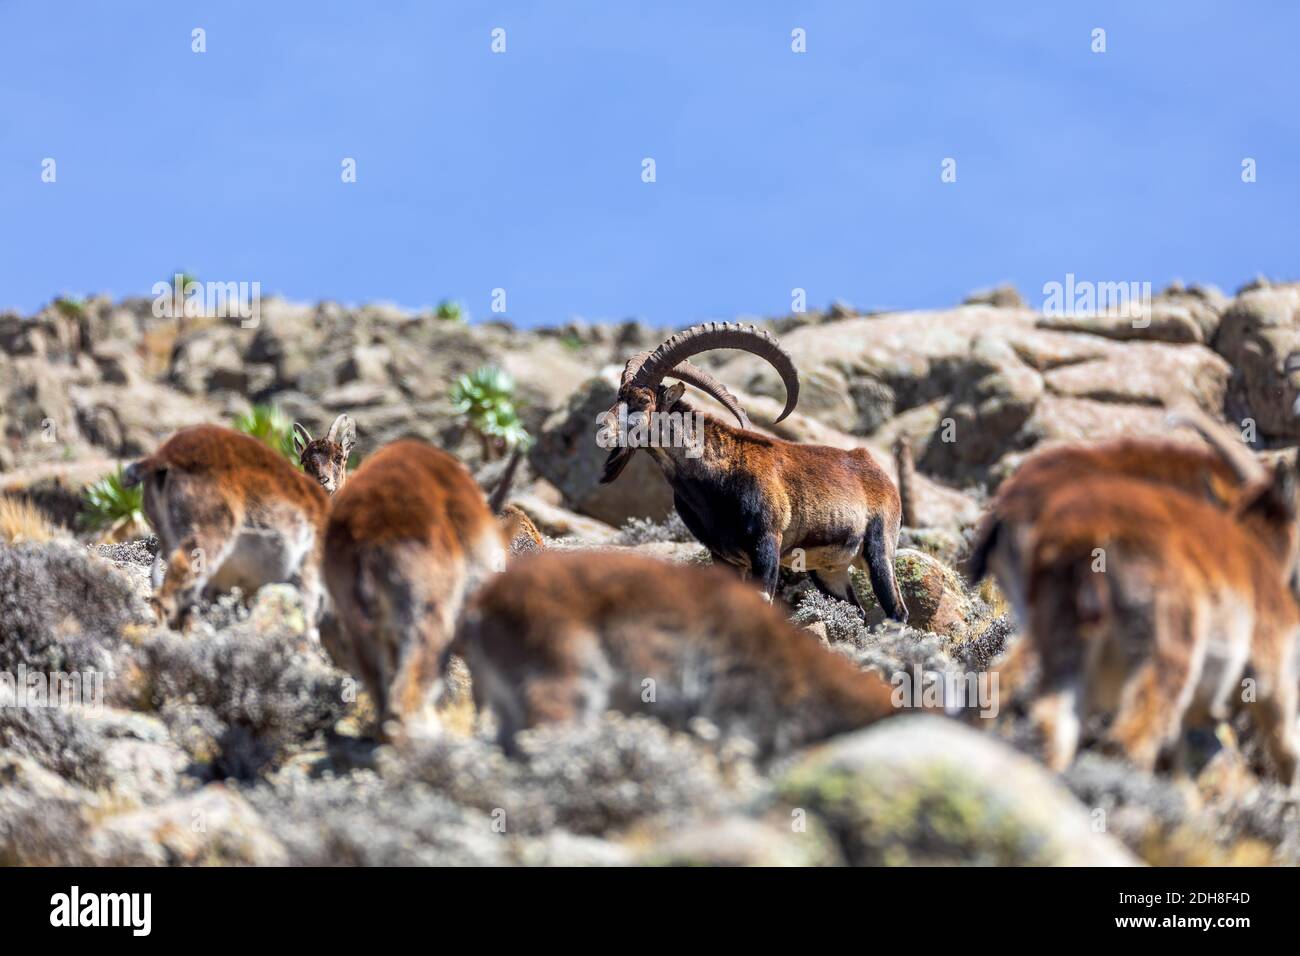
point(522, 170)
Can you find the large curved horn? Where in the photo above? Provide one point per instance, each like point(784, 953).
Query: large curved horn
point(692, 375)
point(1248, 468)
point(721, 335)
point(633, 367)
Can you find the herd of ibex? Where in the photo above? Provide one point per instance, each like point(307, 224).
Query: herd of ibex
point(1156, 580)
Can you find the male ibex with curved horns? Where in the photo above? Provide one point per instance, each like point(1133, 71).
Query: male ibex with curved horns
point(754, 501)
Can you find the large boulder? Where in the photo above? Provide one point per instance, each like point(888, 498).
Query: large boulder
point(928, 791)
point(933, 593)
point(209, 356)
point(555, 521)
point(987, 411)
point(289, 338)
point(975, 378)
point(56, 487)
point(38, 411)
point(1004, 296)
point(1259, 331)
point(1146, 373)
point(132, 420)
point(1025, 391)
point(43, 817)
point(566, 454)
point(857, 373)
point(546, 372)
point(1177, 315)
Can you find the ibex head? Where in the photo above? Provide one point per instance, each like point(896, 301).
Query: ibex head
point(326, 459)
point(1270, 499)
point(643, 393)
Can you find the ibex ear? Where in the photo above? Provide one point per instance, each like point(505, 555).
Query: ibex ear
point(343, 433)
point(301, 438)
point(672, 395)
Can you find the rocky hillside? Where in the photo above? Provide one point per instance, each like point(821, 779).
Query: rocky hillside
point(240, 743)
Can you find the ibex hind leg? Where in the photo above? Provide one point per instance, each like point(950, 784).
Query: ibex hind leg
point(1057, 715)
point(308, 580)
point(1155, 697)
point(156, 515)
point(878, 556)
point(202, 532)
point(423, 628)
point(1276, 715)
point(409, 700)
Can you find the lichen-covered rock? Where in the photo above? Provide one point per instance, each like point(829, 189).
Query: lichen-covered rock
point(141, 763)
point(929, 791)
point(215, 826)
point(938, 543)
point(742, 841)
point(43, 817)
point(933, 593)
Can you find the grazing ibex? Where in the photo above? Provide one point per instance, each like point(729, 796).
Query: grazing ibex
point(565, 636)
point(408, 538)
point(326, 459)
point(1001, 545)
point(757, 502)
point(229, 512)
point(1148, 603)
